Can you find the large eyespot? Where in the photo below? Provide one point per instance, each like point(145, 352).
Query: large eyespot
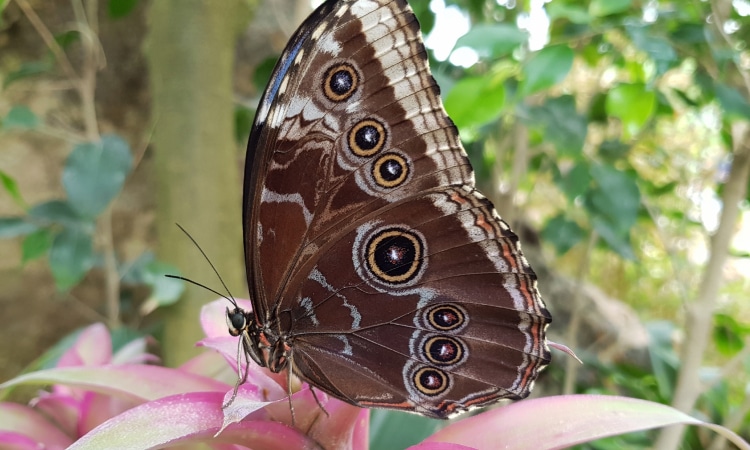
point(443, 350)
point(390, 170)
point(430, 381)
point(340, 82)
point(394, 255)
point(446, 317)
point(367, 137)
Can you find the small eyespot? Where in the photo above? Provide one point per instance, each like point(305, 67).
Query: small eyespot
point(394, 255)
point(446, 317)
point(367, 137)
point(390, 170)
point(340, 82)
point(431, 381)
point(443, 350)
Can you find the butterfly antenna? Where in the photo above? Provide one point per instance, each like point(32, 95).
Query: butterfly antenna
point(231, 297)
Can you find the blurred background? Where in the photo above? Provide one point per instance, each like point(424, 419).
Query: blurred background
point(613, 135)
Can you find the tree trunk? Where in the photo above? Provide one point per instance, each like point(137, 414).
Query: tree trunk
point(190, 51)
point(700, 312)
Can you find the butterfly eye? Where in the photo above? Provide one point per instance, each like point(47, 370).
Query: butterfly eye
point(236, 321)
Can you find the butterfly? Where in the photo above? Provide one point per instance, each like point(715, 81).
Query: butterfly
point(377, 272)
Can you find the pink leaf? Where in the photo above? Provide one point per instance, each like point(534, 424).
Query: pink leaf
point(20, 424)
point(186, 419)
point(137, 382)
point(563, 421)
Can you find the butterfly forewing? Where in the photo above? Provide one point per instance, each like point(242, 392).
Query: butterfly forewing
point(370, 254)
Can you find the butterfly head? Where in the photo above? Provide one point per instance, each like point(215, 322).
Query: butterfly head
point(242, 323)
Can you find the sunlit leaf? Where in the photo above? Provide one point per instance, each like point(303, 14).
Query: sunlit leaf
point(492, 40)
point(36, 245)
point(633, 104)
point(475, 101)
point(601, 8)
point(11, 187)
point(546, 68)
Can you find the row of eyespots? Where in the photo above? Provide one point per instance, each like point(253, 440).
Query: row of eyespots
point(441, 350)
point(368, 136)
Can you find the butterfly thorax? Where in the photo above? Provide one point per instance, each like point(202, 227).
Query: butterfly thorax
point(262, 344)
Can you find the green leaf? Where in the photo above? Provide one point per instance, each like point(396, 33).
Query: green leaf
point(11, 227)
point(574, 13)
point(20, 117)
point(658, 48)
point(164, 291)
point(492, 41)
point(729, 334)
point(546, 68)
point(613, 150)
point(70, 257)
point(243, 120)
point(564, 234)
point(615, 238)
point(36, 245)
point(563, 125)
point(613, 202)
point(475, 101)
point(263, 72)
point(616, 196)
point(27, 69)
point(733, 102)
point(396, 429)
point(11, 187)
point(55, 212)
point(575, 182)
point(120, 8)
point(601, 8)
point(94, 174)
point(633, 104)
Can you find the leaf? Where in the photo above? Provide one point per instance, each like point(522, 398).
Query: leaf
point(633, 104)
point(564, 234)
point(574, 13)
point(658, 48)
point(20, 117)
point(475, 101)
point(732, 101)
point(56, 212)
point(546, 68)
point(492, 41)
point(575, 182)
point(70, 257)
point(94, 174)
point(563, 125)
point(11, 227)
point(36, 245)
point(566, 420)
point(613, 203)
point(120, 8)
point(397, 429)
point(11, 187)
point(601, 8)
point(729, 334)
point(27, 69)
